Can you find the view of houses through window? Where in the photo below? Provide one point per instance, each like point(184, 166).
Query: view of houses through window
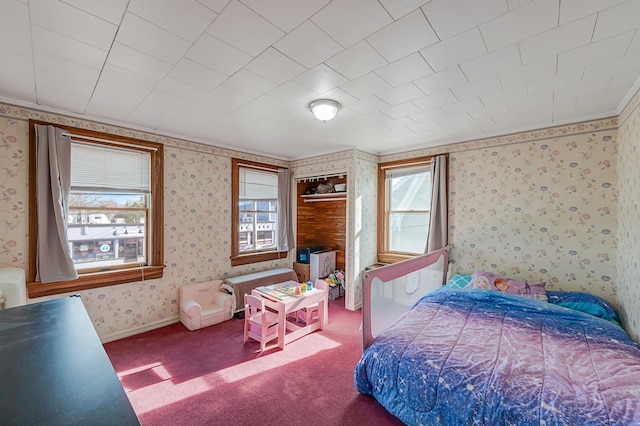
point(107, 230)
point(255, 217)
point(257, 224)
point(257, 207)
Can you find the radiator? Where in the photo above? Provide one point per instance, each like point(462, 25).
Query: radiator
point(13, 289)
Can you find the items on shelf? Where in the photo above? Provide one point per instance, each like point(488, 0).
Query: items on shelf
point(328, 187)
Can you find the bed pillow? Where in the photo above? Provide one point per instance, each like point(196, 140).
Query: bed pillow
point(584, 302)
point(458, 281)
point(491, 281)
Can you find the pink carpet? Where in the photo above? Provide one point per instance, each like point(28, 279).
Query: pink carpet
point(174, 376)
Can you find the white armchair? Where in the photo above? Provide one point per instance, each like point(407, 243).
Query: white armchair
point(204, 304)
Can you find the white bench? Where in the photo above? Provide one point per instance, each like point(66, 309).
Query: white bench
point(243, 284)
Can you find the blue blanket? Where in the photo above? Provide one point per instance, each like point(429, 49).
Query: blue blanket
point(476, 357)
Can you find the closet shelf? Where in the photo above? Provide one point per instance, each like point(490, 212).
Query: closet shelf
point(331, 196)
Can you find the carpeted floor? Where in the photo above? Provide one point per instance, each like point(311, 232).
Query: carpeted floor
point(209, 377)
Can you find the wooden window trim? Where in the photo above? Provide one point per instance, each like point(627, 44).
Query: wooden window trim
point(238, 259)
point(95, 280)
point(155, 268)
point(385, 255)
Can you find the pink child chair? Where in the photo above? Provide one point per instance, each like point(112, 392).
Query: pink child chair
point(309, 314)
point(259, 323)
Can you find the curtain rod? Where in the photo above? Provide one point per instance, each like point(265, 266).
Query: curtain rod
point(89, 138)
point(417, 163)
point(320, 177)
point(251, 166)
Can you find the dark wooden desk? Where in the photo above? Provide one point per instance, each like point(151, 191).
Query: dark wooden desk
point(54, 370)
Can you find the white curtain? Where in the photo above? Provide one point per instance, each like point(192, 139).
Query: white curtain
point(438, 236)
point(53, 182)
point(285, 225)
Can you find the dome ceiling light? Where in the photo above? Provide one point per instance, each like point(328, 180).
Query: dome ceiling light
point(324, 109)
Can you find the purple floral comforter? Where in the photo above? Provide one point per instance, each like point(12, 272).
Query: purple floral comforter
point(461, 357)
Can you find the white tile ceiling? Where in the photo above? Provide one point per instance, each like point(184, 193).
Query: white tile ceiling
point(240, 73)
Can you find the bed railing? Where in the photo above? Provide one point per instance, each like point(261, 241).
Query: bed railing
point(390, 291)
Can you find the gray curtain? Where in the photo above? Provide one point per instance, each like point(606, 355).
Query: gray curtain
point(285, 225)
point(53, 182)
point(438, 236)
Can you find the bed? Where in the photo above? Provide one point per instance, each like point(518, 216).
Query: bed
point(461, 356)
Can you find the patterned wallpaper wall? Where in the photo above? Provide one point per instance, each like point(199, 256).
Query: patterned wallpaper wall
point(14, 193)
point(543, 210)
point(628, 281)
point(197, 224)
point(538, 205)
point(364, 227)
point(197, 245)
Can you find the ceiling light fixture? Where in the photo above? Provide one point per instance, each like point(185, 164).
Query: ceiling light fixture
point(324, 109)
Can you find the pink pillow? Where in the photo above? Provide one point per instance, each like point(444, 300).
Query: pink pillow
point(490, 281)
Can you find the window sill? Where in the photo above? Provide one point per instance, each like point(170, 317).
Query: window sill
point(394, 257)
point(246, 259)
point(95, 280)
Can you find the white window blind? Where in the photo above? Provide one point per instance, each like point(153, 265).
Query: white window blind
point(257, 185)
point(101, 168)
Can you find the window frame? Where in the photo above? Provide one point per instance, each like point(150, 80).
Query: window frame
point(237, 257)
point(88, 280)
point(384, 254)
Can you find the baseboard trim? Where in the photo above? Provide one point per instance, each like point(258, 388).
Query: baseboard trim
point(133, 331)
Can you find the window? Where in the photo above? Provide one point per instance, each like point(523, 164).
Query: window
point(115, 223)
point(255, 213)
point(108, 207)
point(404, 191)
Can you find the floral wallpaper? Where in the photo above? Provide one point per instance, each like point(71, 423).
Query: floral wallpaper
point(628, 262)
point(540, 205)
point(14, 193)
point(364, 227)
point(543, 210)
point(197, 246)
point(197, 224)
point(197, 215)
